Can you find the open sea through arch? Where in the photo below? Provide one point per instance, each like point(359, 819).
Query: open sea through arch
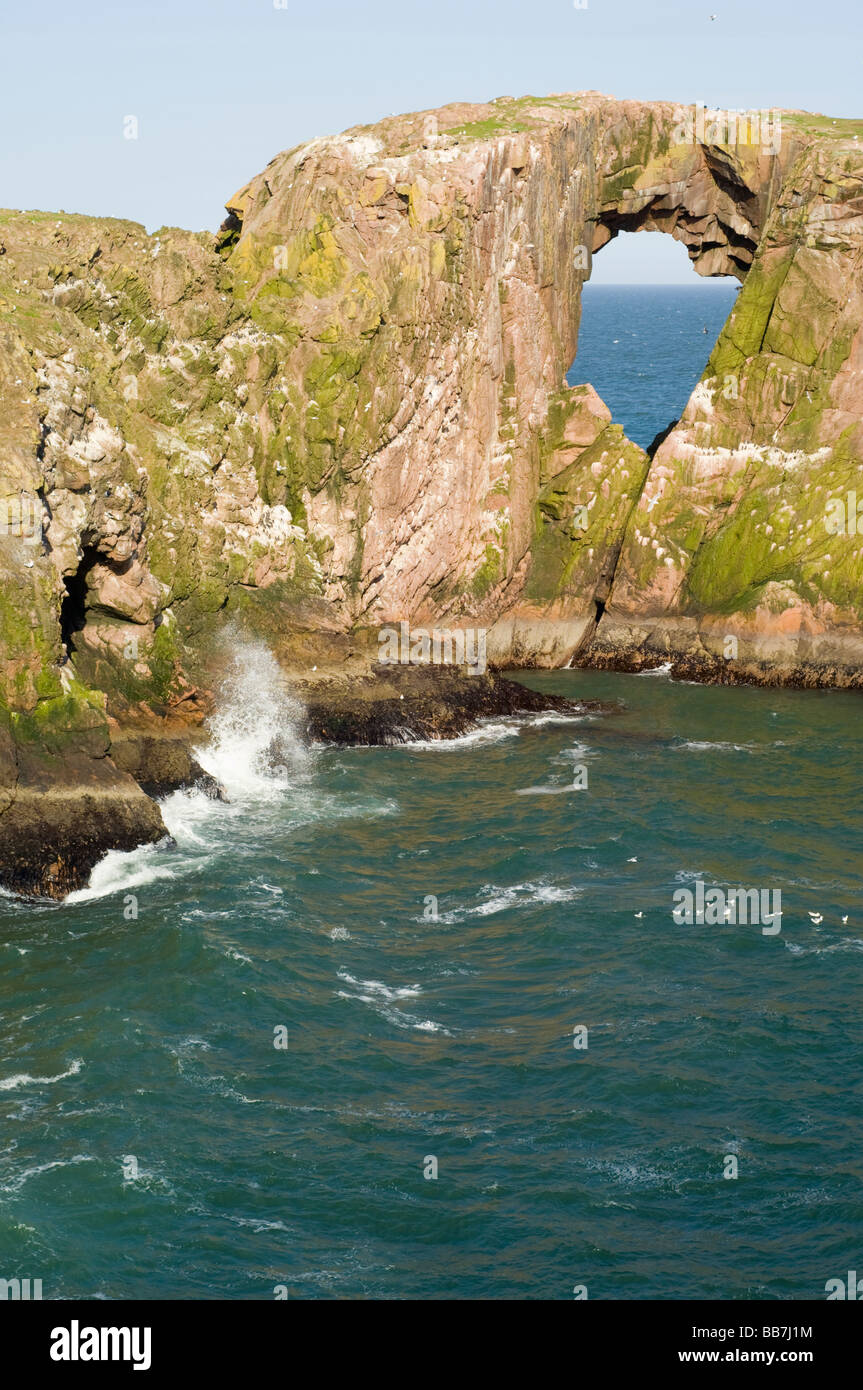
point(643, 347)
point(418, 1022)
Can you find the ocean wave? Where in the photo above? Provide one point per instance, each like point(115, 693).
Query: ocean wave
point(377, 987)
point(497, 730)
point(548, 791)
point(381, 998)
point(397, 1017)
point(254, 750)
point(663, 670)
point(517, 895)
point(634, 1174)
point(148, 1181)
point(121, 870)
point(256, 1223)
point(554, 716)
point(576, 754)
point(848, 943)
point(494, 732)
point(12, 1083)
point(704, 746)
point(15, 1183)
point(185, 1053)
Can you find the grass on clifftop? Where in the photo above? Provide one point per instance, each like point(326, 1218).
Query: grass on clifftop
point(841, 127)
point(512, 116)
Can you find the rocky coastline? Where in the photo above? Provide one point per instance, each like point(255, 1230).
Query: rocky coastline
point(59, 824)
point(348, 410)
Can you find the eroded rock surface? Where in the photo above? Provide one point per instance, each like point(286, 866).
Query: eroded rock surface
point(349, 410)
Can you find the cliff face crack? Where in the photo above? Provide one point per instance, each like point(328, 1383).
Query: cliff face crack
point(73, 609)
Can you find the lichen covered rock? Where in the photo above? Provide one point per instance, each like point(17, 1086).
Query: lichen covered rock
point(348, 409)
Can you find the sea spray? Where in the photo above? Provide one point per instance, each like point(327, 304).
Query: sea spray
point(255, 749)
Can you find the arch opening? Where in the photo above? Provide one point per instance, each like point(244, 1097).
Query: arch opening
point(648, 325)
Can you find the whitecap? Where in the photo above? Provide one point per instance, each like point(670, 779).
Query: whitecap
point(395, 1016)
point(847, 943)
point(122, 870)
point(698, 746)
point(548, 791)
point(257, 1223)
point(12, 1083)
point(517, 895)
point(381, 997)
point(486, 733)
point(576, 753)
point(554, 716)
point(497, 730)
point(376, 987)
point(15, 1184)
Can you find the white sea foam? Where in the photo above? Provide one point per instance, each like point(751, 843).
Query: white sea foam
point(487, 732)
point(189, 1068)
point(257, 1223)
point(553, 716)
point(663, 670)
point(381, 998)
point(547, 791)
point(376, 987)
point(254, 750)
point(576, 754)
point(15, 1183)
point(121, 871)
point(518, 895)
point(12, 1083)
point(698, 746)
point(847, 943)
point(496, 730)
point(636, 1175)
point(397, 1017)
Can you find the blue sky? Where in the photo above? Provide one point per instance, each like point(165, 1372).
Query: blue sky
point(220, 86)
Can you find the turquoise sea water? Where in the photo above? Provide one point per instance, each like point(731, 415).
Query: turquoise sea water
point(644, 347)
point(306, 905)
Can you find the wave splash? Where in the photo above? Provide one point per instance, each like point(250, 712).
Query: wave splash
point(256, 749)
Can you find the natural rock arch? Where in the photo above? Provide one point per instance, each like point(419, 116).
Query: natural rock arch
point(481, 218)
point(351, 410)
